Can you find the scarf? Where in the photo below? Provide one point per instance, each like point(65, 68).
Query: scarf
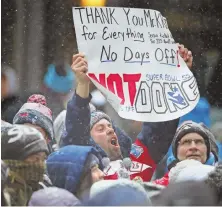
point(23, 180)
point(31, 173)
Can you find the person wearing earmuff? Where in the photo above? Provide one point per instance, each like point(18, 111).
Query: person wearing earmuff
point(191, 141)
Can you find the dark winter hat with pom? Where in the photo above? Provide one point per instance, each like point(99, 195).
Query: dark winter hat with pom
point(36, 112)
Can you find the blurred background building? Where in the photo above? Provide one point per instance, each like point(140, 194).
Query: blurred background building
point(37, 33)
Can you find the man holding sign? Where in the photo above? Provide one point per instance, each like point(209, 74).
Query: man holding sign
point(96, 128)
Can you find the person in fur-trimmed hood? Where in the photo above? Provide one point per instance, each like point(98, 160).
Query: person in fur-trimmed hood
point(97, 129)
point(192, 141)
point(23, 150)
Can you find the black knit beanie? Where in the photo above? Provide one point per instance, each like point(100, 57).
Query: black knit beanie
point(20, 141)
point(191, 127)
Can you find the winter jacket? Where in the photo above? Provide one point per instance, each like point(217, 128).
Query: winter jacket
point(219, 144)
point(148, 149)
point(65, 166)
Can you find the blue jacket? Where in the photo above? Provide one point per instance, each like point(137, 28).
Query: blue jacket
point(201, 113)
point(156, 136)
point(66, 165)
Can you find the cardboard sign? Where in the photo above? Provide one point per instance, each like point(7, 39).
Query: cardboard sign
point(134, 61)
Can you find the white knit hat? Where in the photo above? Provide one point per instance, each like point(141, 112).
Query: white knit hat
point(189, 170)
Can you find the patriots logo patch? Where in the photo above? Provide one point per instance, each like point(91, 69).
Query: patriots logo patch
point(136, 150)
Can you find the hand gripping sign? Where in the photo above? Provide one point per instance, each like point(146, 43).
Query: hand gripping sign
point(134, 61)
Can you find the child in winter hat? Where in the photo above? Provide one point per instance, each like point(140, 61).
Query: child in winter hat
point(36, 113)
point(24, 150)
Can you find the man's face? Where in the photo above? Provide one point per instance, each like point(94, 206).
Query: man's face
point(104, 135)
point(192, 146)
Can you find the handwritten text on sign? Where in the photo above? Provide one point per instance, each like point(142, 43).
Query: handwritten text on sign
point(134, 61)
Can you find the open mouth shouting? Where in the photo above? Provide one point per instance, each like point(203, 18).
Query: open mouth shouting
point(114, 141)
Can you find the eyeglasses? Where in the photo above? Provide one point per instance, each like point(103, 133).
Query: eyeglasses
point(188, 142)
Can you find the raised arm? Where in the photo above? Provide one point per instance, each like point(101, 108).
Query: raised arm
point(77, 124)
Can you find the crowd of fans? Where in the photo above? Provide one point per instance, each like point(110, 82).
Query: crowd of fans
point(81, 157)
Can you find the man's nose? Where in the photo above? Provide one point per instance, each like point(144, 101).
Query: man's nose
point(110, 131)
point(193, 145)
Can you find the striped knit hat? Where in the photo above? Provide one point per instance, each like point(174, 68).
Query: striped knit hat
point(36, 112)
point(191, 127)
point(96, 116)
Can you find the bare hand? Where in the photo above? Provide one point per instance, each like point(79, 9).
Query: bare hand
point(80, 68)
point(186, 55)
